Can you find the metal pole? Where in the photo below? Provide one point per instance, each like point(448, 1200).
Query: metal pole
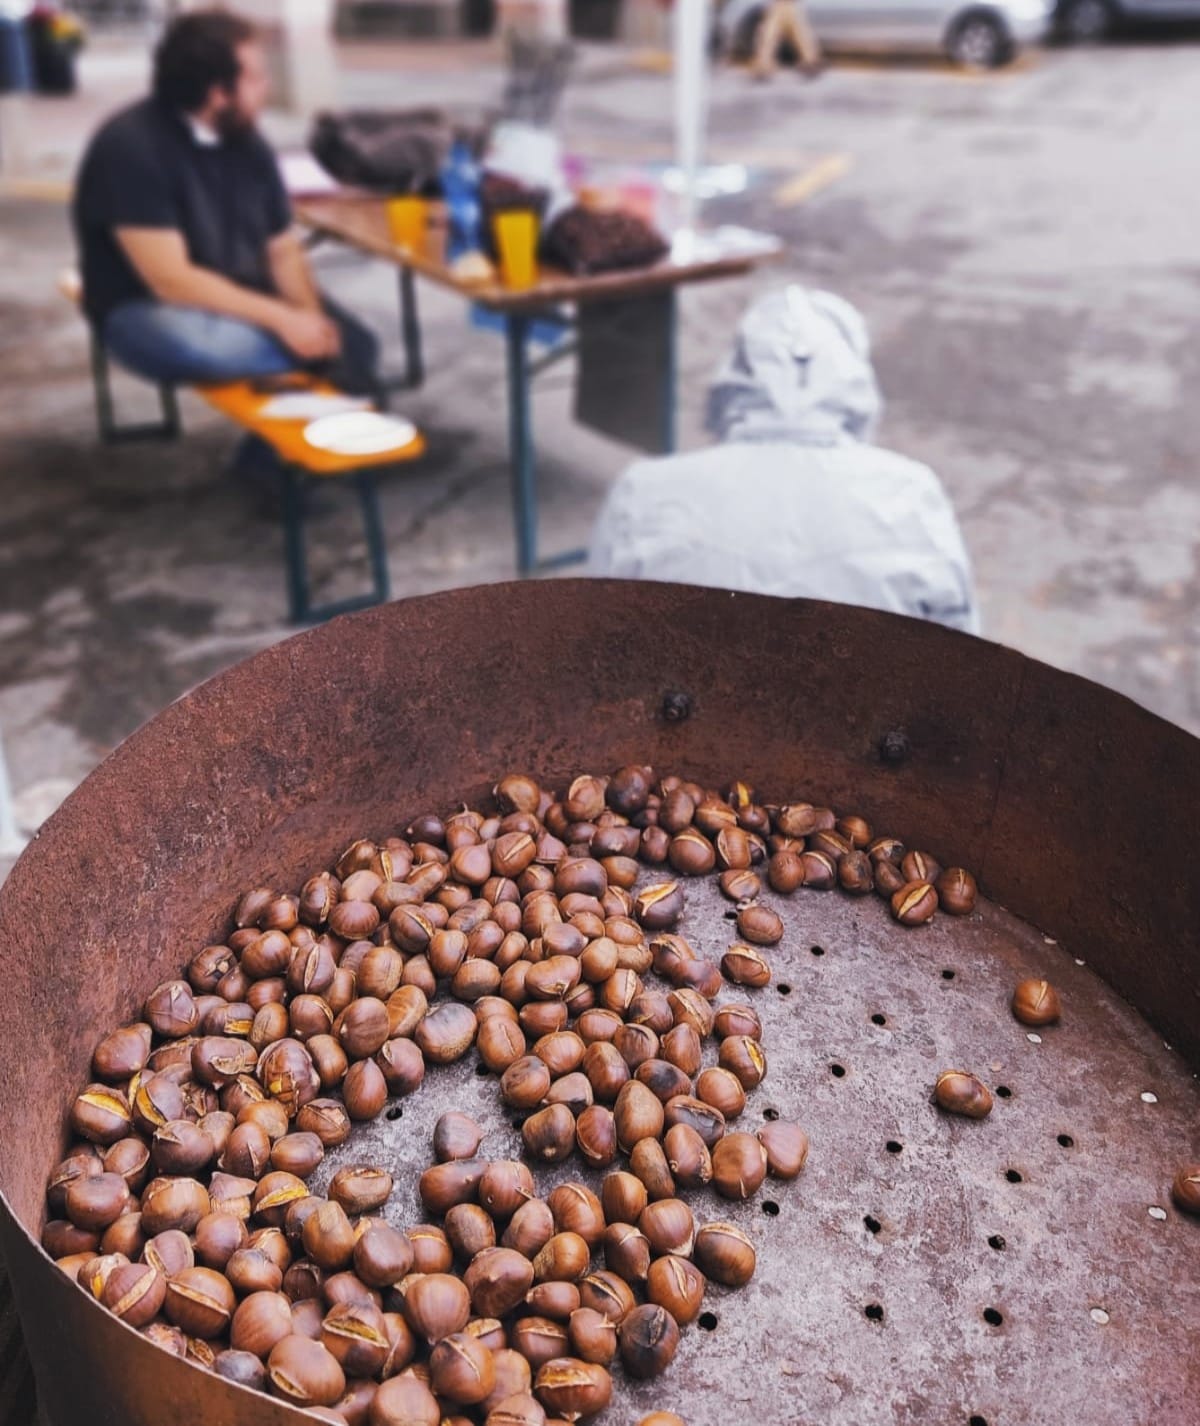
point(410, 329)
point(520, 442)
point(12, 843)
point(691, 56)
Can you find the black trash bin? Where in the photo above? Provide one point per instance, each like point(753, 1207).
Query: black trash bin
point(55, 40)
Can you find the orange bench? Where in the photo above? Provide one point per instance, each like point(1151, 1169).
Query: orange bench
point(243, 402)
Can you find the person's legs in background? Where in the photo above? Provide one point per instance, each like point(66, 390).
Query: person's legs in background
point(187, 347)
point(770, 37)
point(786, 20)
point(803, 36)
point(357, 368)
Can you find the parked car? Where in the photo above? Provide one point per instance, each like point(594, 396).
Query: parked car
point(980, 34)
point(1087, 21)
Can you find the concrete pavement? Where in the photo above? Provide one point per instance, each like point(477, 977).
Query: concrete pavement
point(1022, 245)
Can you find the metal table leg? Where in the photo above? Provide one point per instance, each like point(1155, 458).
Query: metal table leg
point(670, 434)
point(165, 429)
point(410, 329)
point(522, 459)
point(301, 609)
point(520, 443)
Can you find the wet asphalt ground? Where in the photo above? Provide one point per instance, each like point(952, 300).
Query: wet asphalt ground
point(1022, 245)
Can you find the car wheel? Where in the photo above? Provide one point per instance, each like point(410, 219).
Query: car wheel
point(1085, 22)
point(980, 42)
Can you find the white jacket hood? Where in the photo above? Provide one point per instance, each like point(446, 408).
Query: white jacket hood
point(801, 371)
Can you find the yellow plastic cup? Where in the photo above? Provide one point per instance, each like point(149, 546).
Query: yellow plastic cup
point(408, 217)
point(516, 242)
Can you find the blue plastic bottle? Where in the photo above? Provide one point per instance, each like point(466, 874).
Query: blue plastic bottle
point(460, 187)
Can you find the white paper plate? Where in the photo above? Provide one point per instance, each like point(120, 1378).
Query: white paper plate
point(359, 433)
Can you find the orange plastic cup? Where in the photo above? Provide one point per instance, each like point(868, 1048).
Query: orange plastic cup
point(408, 218)
point(516, 242)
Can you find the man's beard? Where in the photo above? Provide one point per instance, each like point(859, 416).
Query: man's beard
point(231, 123)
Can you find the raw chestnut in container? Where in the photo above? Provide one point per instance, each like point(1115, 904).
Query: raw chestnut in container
point(608, 1294)
point(626, 1251)
point(572, 1388)
point(958, 1092)
point(914, 903)
point(549, 1135)
point(688, 1157)
point(1185, 1188)
point(241, 1367)
point(956, 891)
point(461, 1369)
point(565, 1257)
point(649, 1339)
point(382, 1254)
point(593, 1336)
point(259, 1322)
point(786, 1146)
point(623, 1196)
point(539, 1340)
point(648, 1162)
point(405, 1401)
point(724, 1254)
point(739, 1165)
point(678, 1285)
point(498, 1279)
point(304, 1373)
point(668, 1226)
point(200, 1302)
point(470, 1230)
point(743, 965)
point(1035, 1002)
point(135, 1293)
point(361, 1188)
point(437, 1305)
point(519, 1409)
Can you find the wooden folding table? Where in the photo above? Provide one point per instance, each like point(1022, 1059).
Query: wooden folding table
point(361, 222)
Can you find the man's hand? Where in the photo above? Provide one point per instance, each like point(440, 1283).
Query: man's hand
point(310, 335)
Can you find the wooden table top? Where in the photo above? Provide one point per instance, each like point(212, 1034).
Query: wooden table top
point(361, 221)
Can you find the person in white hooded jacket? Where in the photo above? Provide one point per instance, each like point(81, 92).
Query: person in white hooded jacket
point(794, 500)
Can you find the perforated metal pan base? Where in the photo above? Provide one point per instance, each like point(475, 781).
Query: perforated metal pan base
point(1099, 1298)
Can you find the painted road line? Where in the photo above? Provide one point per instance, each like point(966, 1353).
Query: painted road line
point(45, 190)
point(934, 66)
point(806, 185)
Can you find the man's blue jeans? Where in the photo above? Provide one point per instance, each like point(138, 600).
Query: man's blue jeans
point(185, 346)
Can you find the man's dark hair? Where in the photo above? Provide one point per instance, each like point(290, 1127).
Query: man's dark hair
point(197, 51)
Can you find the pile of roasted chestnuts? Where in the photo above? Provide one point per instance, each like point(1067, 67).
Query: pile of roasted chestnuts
point(533, 933)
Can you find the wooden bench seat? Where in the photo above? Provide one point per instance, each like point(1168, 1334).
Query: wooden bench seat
point(243, 403)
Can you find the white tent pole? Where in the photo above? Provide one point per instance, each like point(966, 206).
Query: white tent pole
point(691, 57)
